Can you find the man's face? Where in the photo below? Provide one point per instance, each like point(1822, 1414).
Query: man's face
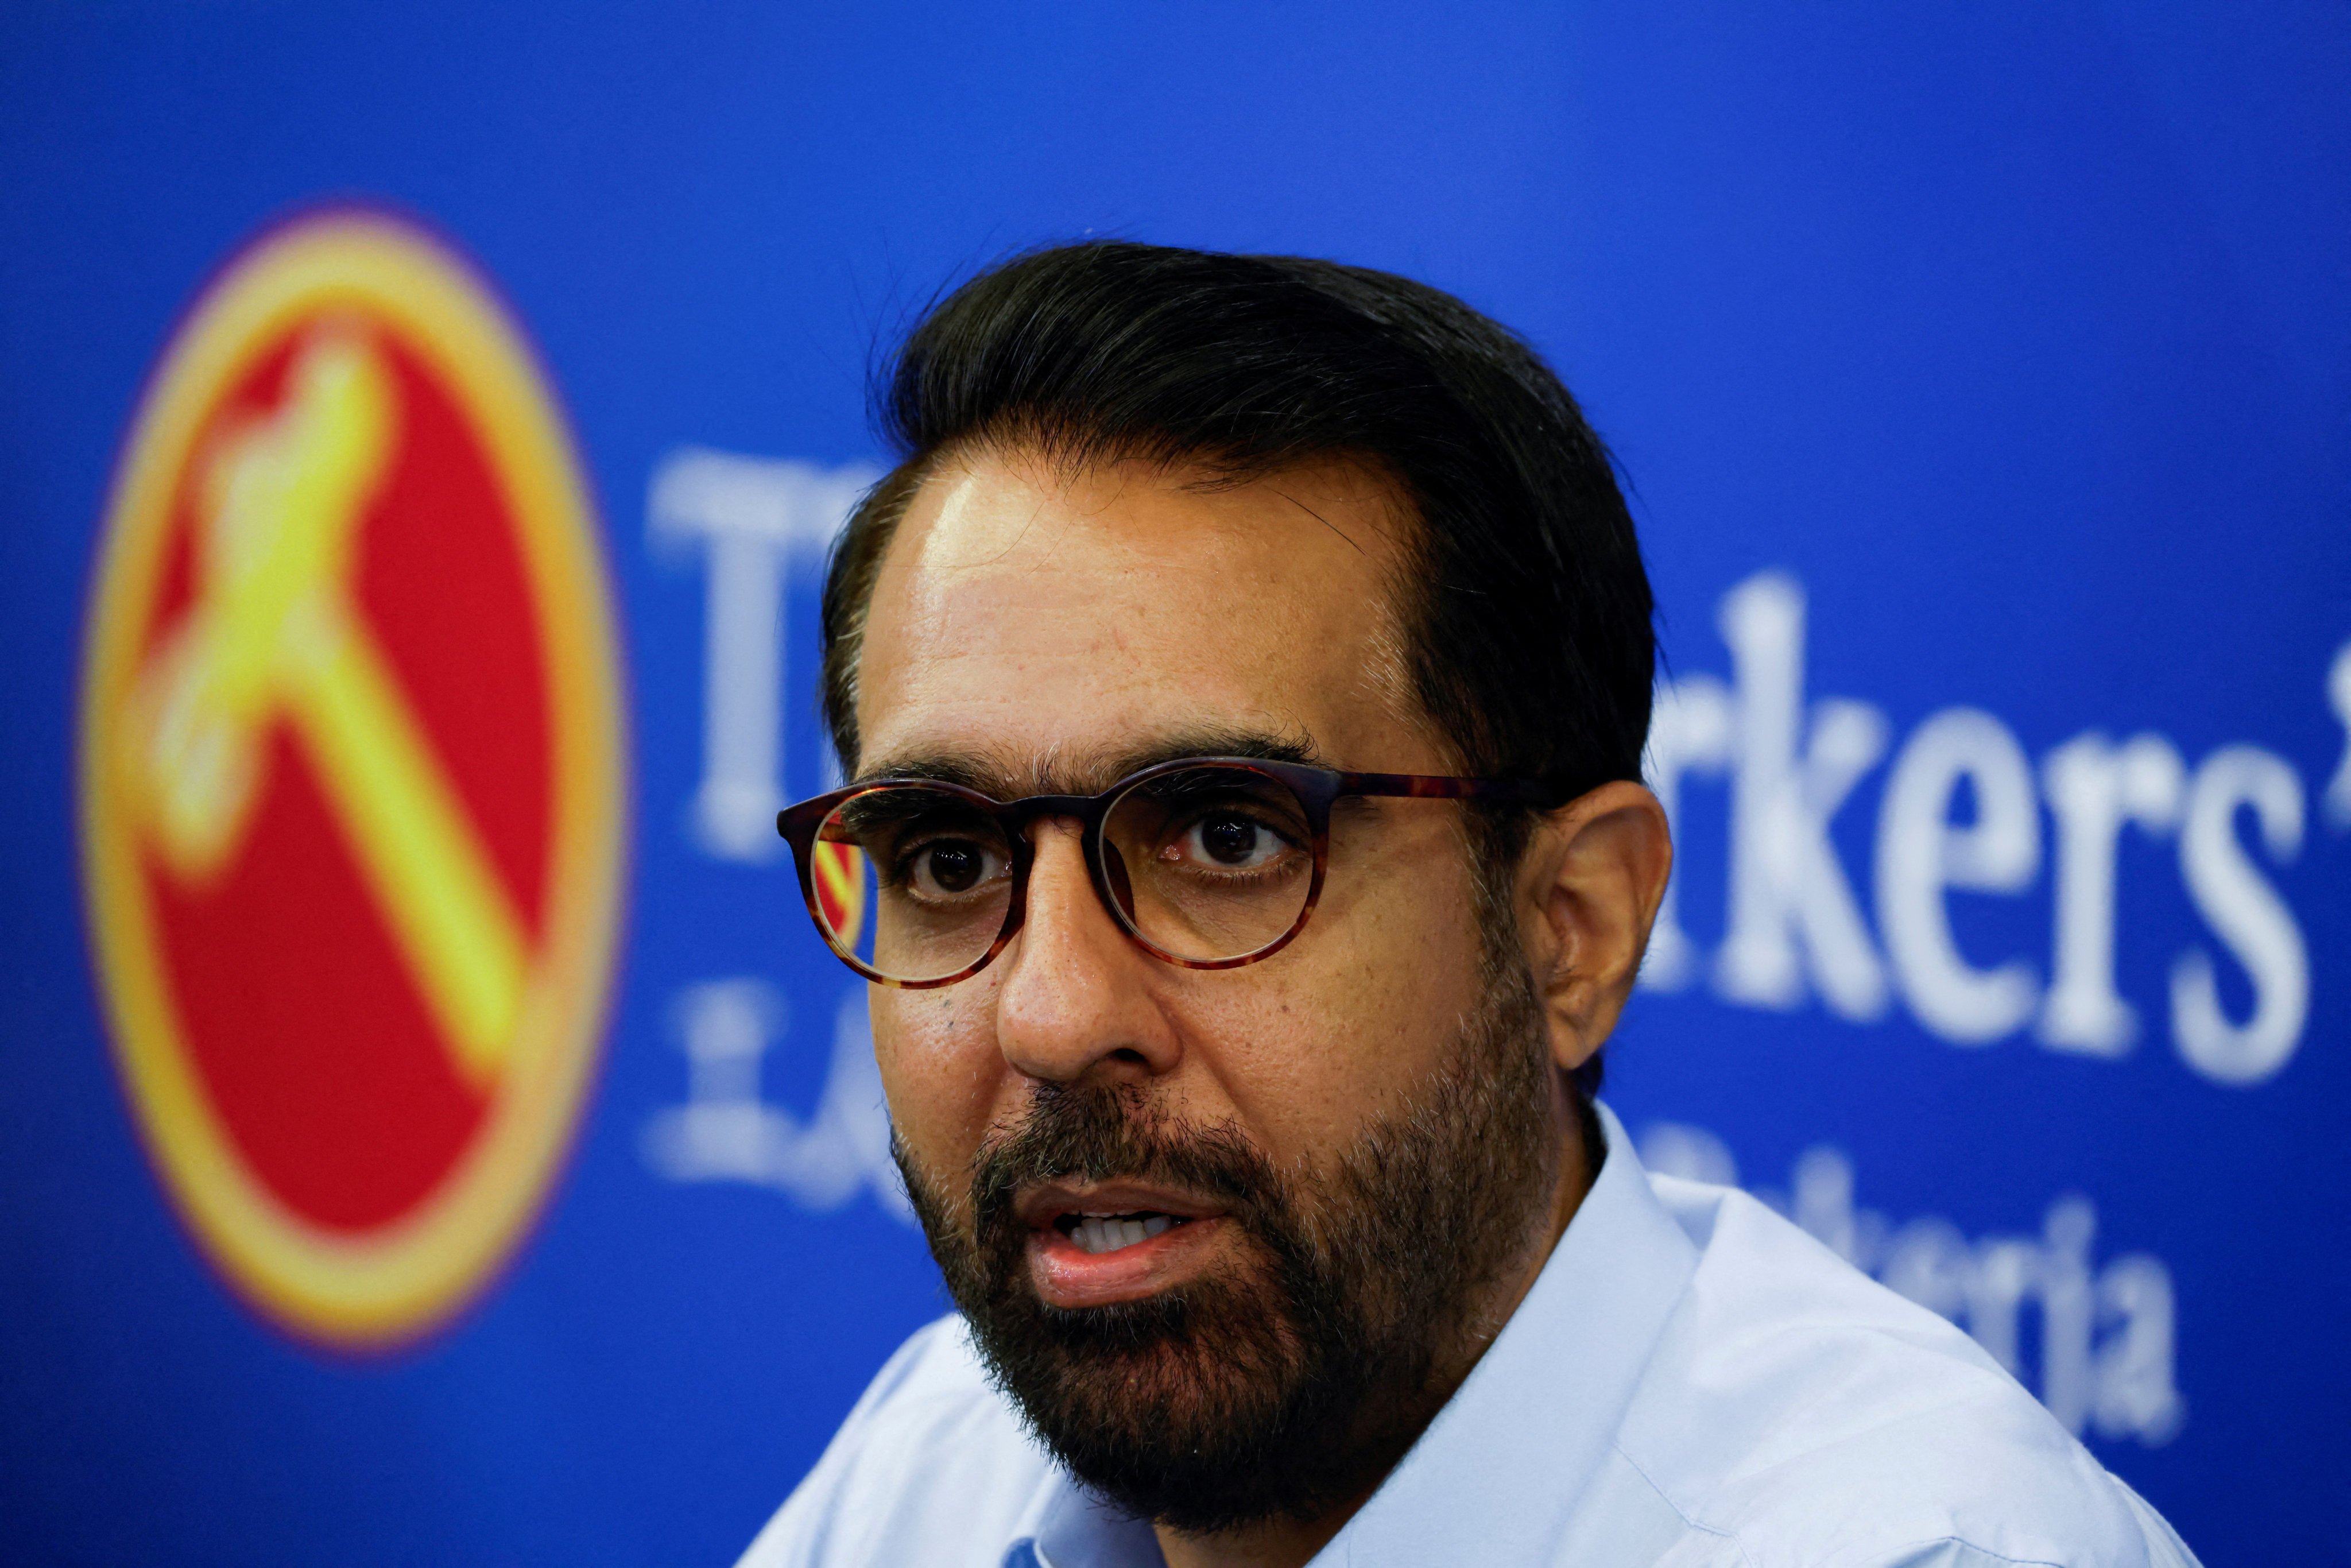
point(1329, 1148)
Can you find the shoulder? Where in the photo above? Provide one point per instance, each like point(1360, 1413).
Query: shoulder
point(932, 1466)
point(1808, 1414)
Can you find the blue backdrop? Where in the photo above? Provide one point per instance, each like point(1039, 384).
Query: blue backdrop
point(1983, 377)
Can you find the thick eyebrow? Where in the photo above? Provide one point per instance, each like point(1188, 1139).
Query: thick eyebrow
point(1001, 777)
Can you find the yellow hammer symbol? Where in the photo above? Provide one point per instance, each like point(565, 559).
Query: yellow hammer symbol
point(272, 634)
point(840, 889)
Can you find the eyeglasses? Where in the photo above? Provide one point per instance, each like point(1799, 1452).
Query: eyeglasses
point(1207, 862)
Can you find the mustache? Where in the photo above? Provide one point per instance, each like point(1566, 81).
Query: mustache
point(1117, 1132)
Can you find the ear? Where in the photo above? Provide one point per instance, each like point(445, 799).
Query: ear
point(1589, 885)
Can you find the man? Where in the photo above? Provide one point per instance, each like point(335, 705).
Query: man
point(1244, 679)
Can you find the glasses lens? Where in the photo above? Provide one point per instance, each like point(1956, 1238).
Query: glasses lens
point(1209, 863)
point(911, 881)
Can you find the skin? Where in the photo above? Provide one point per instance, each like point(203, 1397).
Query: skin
point(1043, 631)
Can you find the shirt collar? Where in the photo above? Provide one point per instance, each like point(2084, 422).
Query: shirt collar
point(1069, 1527)
point(1510, 1453)
point(1506, 1460)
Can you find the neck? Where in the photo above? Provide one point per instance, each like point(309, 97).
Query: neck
point(1292, 1544)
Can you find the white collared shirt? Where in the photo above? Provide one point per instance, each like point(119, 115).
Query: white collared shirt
point(1692, 1381)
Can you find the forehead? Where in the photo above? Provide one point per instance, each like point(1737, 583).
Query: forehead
point(1040, 626)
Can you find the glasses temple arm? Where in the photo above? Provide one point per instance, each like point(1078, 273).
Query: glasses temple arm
point(1545, 794)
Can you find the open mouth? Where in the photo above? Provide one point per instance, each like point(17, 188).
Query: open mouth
point(1095, 1244)
point(1106, 1232)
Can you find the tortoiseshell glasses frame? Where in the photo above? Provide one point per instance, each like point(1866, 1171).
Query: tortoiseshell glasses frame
point(1314, 790)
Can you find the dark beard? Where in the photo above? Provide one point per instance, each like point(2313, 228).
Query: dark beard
point(1291, 1382)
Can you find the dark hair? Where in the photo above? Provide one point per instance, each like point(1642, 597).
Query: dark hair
point(1524, 605)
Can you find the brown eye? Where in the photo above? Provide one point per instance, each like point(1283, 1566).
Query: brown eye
point(946, 867)
point(1229, 841)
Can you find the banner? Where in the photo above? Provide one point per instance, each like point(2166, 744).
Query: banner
point(435, 1132)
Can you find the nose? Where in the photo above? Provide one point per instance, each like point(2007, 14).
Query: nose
point(1078, 1000)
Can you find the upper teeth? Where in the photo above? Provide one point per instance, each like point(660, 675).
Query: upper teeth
point(1109, 1232)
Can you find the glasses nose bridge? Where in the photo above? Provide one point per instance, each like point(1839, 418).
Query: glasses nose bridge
point(1023, 814)
point(1088, 813)
point(1086, 809)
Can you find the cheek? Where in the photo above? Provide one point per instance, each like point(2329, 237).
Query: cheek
point(1336, 1030)
point(940, 1069)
